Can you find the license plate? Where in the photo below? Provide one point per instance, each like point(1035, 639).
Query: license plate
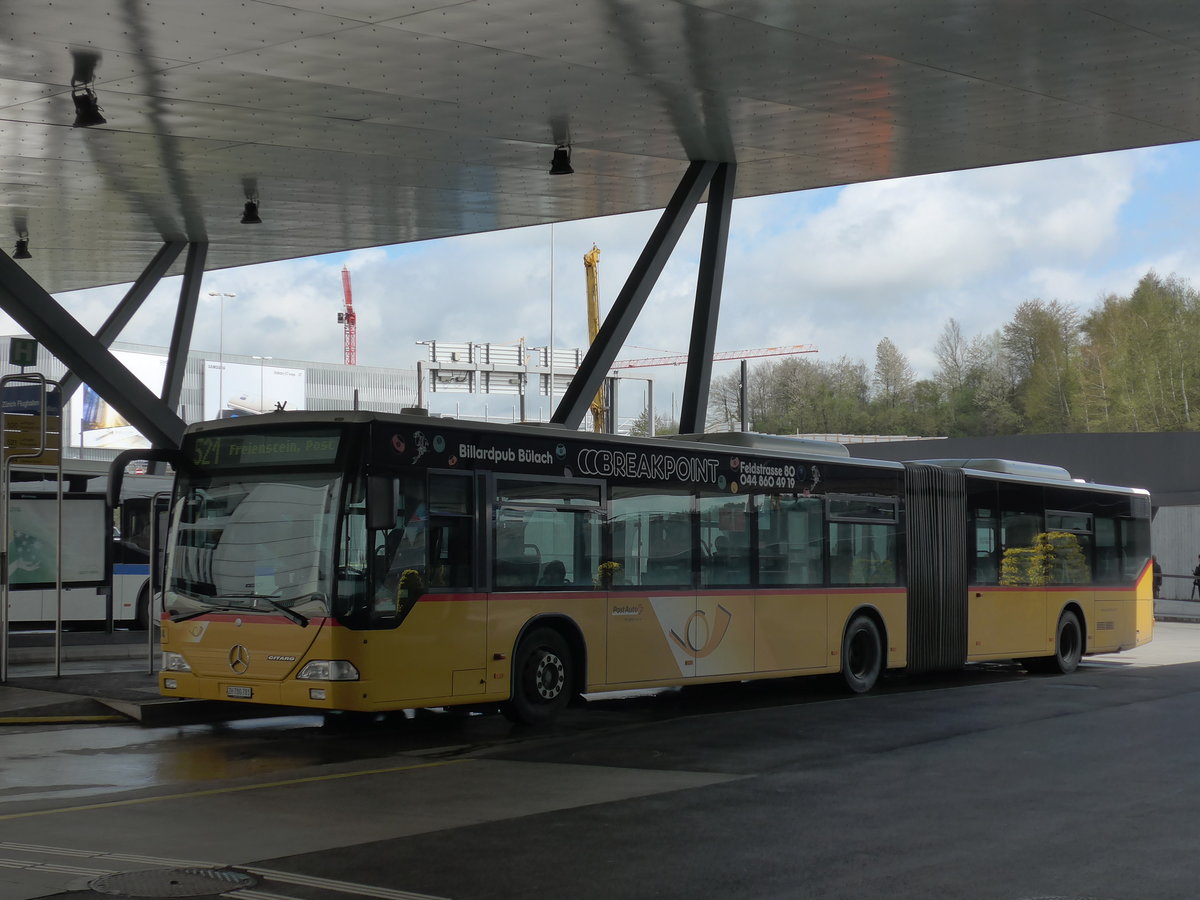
point(239, 691)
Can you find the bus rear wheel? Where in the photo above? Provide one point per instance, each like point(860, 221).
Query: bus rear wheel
point(541, 678)
point(1068, 648)
point(862, 654)
point(141, 610)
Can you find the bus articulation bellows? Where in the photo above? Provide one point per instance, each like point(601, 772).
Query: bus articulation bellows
point(369, 562)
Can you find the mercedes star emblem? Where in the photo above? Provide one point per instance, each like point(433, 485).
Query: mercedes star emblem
point(239, 658)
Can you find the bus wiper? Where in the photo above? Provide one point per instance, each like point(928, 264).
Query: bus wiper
point(184, 618)
point(193, 615)
point(296, 617)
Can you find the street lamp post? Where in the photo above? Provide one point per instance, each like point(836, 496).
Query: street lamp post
point(222, 296)
point(262, 392)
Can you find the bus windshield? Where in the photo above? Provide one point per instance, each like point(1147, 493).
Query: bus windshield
point(253, 542)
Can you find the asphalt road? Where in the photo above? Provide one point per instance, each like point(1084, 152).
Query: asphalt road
point(982, 784)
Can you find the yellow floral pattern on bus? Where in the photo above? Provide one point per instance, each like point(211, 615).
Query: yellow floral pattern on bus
point(1056, 557)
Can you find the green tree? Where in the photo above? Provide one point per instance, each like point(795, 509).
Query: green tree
point(1041, 342)
point(1140, 362)
point(892, 383)
point(663, 424)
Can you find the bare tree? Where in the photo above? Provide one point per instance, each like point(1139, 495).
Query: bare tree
point(894, 377)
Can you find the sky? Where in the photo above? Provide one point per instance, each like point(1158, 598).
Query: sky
point(839, 269)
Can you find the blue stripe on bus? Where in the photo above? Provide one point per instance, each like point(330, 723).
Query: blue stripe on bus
point(131, 569)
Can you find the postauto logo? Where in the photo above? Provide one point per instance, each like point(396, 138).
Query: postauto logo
point(609, 463)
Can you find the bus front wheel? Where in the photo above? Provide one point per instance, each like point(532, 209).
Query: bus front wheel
point(862, 654)
point(541, 677)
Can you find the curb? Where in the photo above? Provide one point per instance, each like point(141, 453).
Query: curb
point(78, 653)
point(82, 711)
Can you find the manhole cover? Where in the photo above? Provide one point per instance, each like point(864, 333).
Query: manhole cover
point(173, 883)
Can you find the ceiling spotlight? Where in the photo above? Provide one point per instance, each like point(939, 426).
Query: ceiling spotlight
point(22, 251)
point(561, 164)
point(250, 213)
point(87, 107)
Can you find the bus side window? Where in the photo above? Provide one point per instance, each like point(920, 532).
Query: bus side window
point(451, 520)
point(135, 530)
point(983, 536)
point(518, 559)
point(984, 569)
point(546, 533)
point(862, 539)
point(725, 536)
point(1108, 551)
point(401, 548)
point(652, 536)
point(1135, 545)
point(791, 540)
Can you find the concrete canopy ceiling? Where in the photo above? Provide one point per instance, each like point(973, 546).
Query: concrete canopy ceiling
point(369, 122)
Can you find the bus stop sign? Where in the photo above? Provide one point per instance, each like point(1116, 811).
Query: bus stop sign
point(22, 351)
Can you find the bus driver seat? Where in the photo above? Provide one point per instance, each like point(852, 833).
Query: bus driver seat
point(554, 574)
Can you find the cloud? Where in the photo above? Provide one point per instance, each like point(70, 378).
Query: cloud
point(897, 258)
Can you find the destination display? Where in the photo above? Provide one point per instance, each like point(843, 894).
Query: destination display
point(253, 450)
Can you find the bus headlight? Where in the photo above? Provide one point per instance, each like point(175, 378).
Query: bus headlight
point(173, 662)
point(328, 670)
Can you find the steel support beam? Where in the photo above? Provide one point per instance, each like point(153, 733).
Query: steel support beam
point(131, 303)
point(696, 380)
point(185, 320)
point(58, 331)
point(577, 398)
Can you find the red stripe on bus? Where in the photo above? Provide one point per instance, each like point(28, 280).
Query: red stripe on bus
point(715, 591)
point(1058, 588)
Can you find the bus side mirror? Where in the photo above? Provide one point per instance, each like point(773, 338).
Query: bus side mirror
point(381, 501)
point(116, 470)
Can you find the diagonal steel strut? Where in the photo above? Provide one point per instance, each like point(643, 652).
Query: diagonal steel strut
point(625, 309)
point(130, 304)
point(694, 408)
point(58, 331)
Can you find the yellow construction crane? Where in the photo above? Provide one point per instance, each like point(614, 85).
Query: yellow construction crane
point(591, 270)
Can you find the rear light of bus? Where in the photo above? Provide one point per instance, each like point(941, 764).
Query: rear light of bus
point(328, 670)
point(174, 662)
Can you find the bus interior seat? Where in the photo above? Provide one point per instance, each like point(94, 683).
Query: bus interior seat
point(669, 570)
point(839, 568)
point(554, 574)
point(517, 573)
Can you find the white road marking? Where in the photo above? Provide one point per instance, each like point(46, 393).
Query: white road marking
point(329, 884)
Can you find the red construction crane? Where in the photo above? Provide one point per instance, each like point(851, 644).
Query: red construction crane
point(680, 359)
point(349, 321)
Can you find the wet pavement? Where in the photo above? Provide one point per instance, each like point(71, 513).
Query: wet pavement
point(106, 677)
point(103, 677)
point(987, 783)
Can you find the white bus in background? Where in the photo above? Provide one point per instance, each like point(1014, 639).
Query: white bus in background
point(104, 559)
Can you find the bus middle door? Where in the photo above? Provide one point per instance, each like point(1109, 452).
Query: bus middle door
point(652, 618)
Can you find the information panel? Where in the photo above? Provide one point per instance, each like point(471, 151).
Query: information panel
point(33, 539)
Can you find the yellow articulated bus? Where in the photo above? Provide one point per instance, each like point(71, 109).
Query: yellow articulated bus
point(368, 562)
